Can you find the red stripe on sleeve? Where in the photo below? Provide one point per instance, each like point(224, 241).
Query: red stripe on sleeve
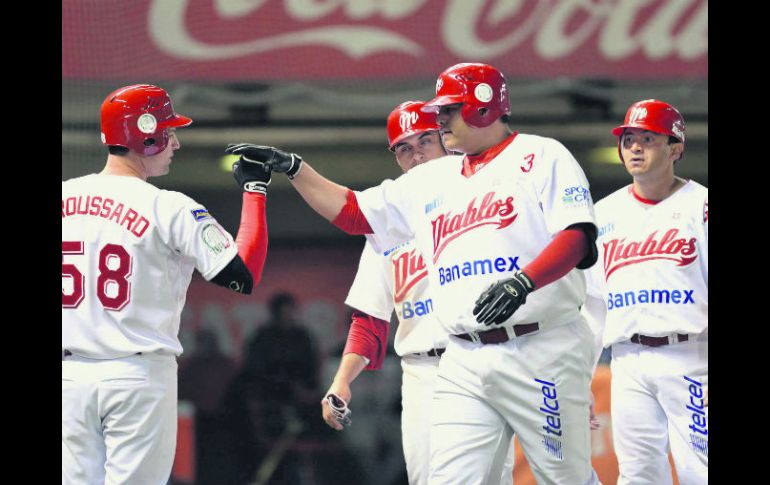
point(351, 219)
point(368, 336)
point(561, 255)
point(252, 234)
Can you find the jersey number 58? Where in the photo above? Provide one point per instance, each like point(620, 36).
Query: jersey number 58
point(112, 286)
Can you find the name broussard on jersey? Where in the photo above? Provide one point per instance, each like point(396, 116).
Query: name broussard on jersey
point(105, 208)
point(478, 266)
point(656, 296)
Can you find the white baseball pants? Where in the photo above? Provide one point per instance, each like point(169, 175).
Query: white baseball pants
point(418, 382)
point(657, 406)
point(537, 385)
point(119, 419)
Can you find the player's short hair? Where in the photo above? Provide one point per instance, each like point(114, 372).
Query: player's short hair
point(672, 140)
point(505, 118)
point(117, 150)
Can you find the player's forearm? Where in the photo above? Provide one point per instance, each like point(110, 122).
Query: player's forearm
point(350, 367)
point(560, 257)
point(252, 234)
point(324, 196)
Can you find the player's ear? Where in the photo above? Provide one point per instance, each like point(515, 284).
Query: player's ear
point(676, 150)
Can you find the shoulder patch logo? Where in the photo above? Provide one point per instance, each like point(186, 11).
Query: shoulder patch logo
point(215, 239)
point(200, 214)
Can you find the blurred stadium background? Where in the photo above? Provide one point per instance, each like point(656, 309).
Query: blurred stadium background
point(318, 77)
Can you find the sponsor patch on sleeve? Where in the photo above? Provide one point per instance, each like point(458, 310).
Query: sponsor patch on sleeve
point(215, 240)
point(576, 196)
point(200, 214)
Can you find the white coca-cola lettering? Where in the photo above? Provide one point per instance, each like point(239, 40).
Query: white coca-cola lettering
point(655, 29)
point(408, 269)
point(447, 227)
point(619, 253)
point(169, 32)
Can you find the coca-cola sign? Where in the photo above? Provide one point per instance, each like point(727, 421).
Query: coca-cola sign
point(338, 39)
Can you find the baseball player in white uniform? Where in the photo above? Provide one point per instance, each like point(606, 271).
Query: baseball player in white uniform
point(396, 279)
point(128, 253)
point(502, 231)
point(653, 280)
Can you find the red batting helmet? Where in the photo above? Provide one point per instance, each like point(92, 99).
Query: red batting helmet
point(137, 117)
point(480, 87)
point(408, 119)
point(653, 115)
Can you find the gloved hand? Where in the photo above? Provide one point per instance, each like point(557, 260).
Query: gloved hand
point(274, 159)
point(251, 175)
point(499, 301)
point(335, 411)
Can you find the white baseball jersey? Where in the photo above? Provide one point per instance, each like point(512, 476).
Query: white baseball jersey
point(396, 279)
point(652, 277)
point(652, 271)
point(475, 231)
point(128, 253)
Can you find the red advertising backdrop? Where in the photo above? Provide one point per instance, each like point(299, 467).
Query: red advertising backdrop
point(309, 39)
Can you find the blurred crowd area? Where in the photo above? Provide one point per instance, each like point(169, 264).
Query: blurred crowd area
point(257, 419)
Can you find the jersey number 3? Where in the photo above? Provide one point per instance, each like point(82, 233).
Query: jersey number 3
point(112, 286)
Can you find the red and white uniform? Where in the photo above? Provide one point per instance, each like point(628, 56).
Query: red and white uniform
point(474, 231)
point(128, 253)
point(652, 276)
point(396, 279)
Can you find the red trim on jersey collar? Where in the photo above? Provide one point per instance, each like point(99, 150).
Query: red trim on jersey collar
point(641, 199)
point(474, 163)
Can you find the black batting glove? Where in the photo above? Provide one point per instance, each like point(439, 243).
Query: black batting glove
point(499, 301)
point(251, 175)
point(274, 159)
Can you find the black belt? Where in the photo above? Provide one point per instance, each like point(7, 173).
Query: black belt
point(500, 335)
point(657, 341)
point(67, 353)
point(431, 353)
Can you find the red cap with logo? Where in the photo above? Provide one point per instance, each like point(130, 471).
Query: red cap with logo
point(137, 117)
point(408, 119)
point(480, 87)
point(653, 115)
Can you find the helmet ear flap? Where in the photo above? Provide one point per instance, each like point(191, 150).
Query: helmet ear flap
point(477, 116)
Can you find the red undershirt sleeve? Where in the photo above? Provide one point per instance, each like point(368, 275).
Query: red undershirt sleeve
point(351, 219)
point(252, 234)
point(368, 336)
point(561, 255)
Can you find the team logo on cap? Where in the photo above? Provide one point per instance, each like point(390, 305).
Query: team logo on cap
point(638, 113)
point(678, 129)
point(483, 92)
point(147, 123)
point(439, 83)
point(407, 119)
